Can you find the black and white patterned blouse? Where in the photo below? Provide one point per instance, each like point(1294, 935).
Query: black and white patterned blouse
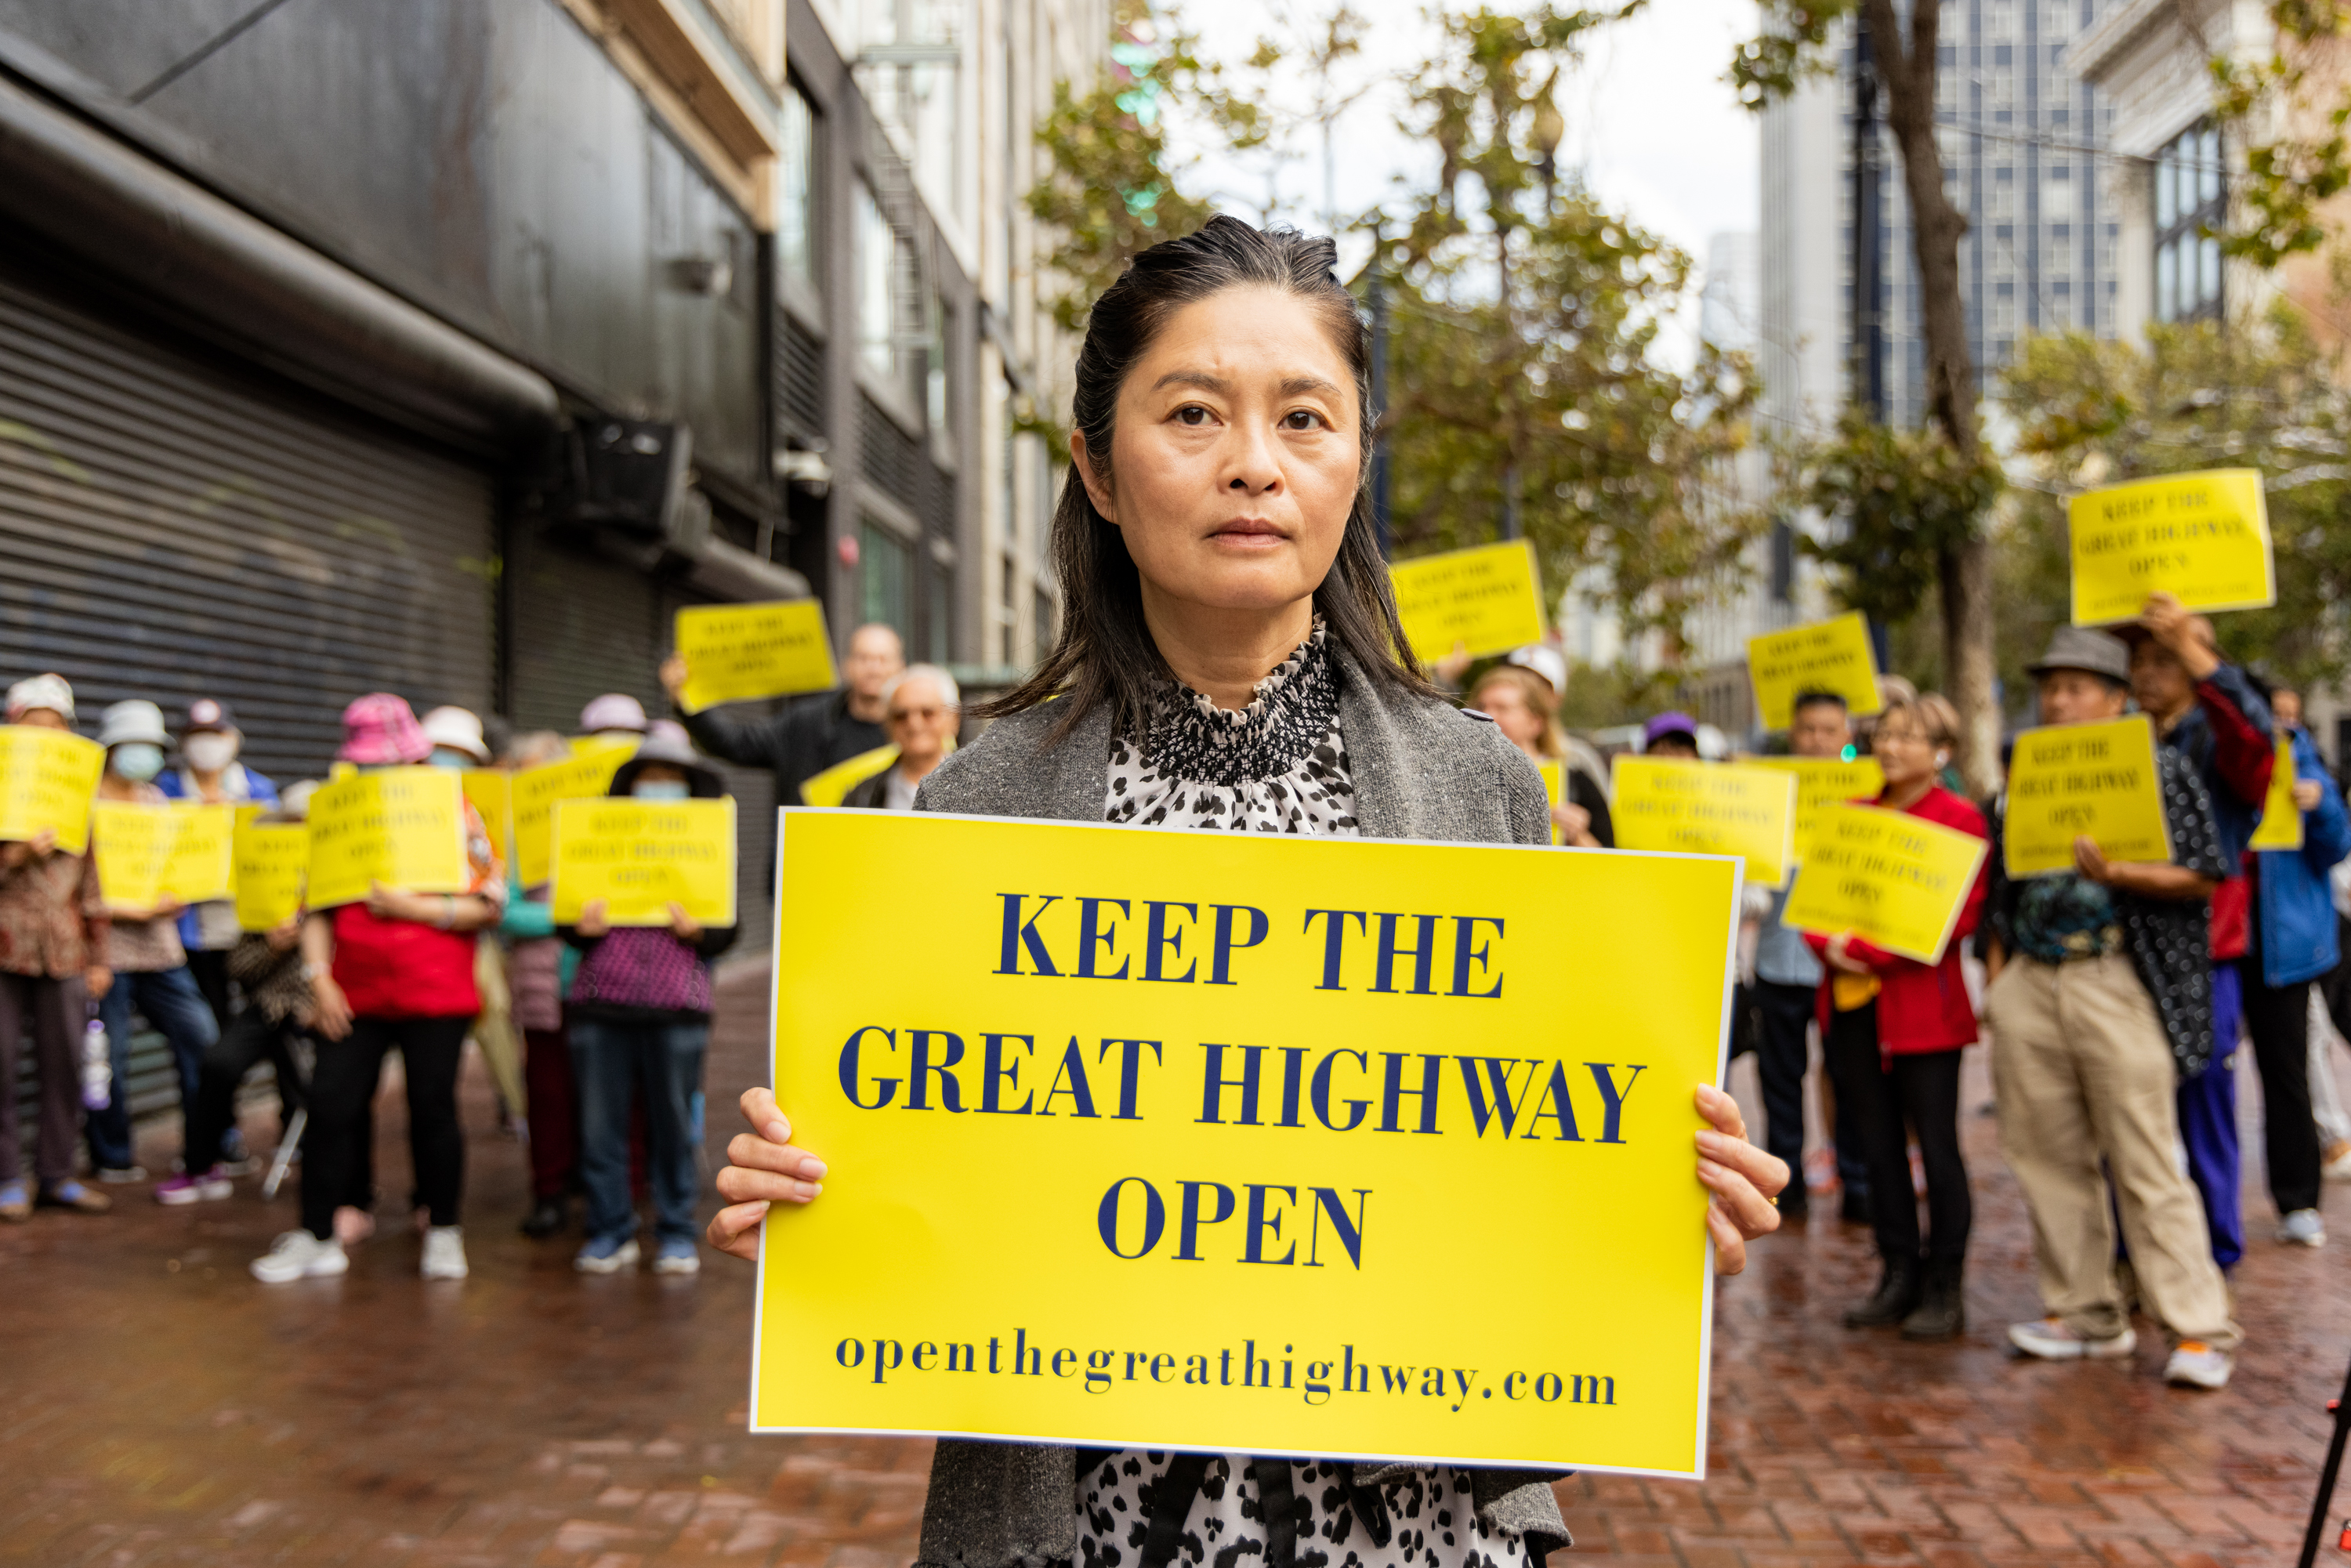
point(1420, 1518)
point(1277, 766)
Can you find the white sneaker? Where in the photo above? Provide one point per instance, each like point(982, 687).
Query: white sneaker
point(445, 1252)
point(2196, 1365)
point(298, 1255)
point(2050, 1340)
point(2302, 1228)
point(607, 1258)
point(677, 1257)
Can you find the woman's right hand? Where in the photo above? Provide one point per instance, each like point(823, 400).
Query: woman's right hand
point(673, 675)
point(762, 1167)
point(330, 1009)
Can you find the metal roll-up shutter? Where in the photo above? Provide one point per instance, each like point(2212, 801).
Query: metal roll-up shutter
point(172, 527)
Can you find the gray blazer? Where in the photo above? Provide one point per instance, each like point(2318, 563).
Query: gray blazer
point(1421, 770)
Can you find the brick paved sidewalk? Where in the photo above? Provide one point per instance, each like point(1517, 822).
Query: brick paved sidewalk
point(158, 1407)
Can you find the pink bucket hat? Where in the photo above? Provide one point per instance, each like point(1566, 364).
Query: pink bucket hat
point(613, 710)
point(381, 729)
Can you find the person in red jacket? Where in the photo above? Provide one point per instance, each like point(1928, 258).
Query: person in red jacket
point(1893, 1029)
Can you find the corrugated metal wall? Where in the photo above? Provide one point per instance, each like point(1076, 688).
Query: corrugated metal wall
point(170, 530)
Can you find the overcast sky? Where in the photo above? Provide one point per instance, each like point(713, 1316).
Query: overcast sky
point(1651, 121)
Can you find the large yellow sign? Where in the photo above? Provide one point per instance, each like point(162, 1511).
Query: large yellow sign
point(2281, 824)
point(403, 827)
point(1485, 598)
point(536, 792)
point(641, 856)
point(737, 653)
point(1215, 1061)
point(1885, 876)
point(46, 780)
point(2202, 537)
point(1823, 782)
point(149, 854)
point(272, 861)
point(490, 791)
point(2071, 780)
point(1708, 809)
point(1833, 655)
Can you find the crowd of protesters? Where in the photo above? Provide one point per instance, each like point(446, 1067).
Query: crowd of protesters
point(2116, 994)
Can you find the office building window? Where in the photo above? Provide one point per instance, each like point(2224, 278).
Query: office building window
point(796, 165)
point(2190, 201)
point(885, 571)
point(878, 260)
point(939, 620)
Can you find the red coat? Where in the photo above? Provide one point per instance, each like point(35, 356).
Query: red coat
point(1920, 1007)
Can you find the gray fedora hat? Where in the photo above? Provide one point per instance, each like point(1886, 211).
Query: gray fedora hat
point(2080, 648)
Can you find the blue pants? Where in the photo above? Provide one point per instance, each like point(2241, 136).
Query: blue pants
point(2208, 1123)
point(612, 1060)
point(170, 1001)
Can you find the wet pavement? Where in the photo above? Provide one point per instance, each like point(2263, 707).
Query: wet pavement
point(159, 1407)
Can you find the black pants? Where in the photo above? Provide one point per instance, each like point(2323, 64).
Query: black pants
point(209, 968)
point(2278, 1020)
point(249, 1037)
point(1783, 1018)
point(343, 1101)
point(1884, 1094)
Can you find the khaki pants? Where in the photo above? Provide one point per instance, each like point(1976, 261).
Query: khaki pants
point(2083, 1074)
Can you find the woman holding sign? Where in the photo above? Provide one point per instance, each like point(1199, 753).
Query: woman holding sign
point(1230, 660)
point(1893, 1031)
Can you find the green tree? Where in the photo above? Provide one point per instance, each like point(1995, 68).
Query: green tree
point(1526, 393)
point(2297, 157)
point(1793, 44)
point(2198, 396)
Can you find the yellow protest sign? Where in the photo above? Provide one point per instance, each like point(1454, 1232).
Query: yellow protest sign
point(641, 856)
point(1833, 655)
point(2202, 537)
point(534, 792)
point(1708, 809)
point(1206, 1053)
point(272, 861)
point(147, 854)
point(1554, 778)
point(738, 653)
point(2069, 779)
point(1822, 782)
point(1485, 597)
point(830, 787)
point(596, 745)
point(490, 791)
point(46, 780)
point(1887, 876)
point(403, 827)
point(2280, 825)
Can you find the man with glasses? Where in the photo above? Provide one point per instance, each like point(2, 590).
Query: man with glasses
point(920, 709)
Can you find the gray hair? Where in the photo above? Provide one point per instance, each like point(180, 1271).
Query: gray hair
point(941, 682)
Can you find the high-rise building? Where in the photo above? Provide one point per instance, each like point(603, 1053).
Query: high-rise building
point(2021, 141)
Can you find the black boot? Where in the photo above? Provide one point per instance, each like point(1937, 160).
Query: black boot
point(547, 1216)
point(1942, 1305)
point(1897, 1294)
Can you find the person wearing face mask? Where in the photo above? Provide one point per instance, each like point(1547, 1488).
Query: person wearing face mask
point(209, 771)
point(52, 940)
point(391, 972)
point(640, 1015)
point(149, 961)
point(922, 708)
point(460, 744)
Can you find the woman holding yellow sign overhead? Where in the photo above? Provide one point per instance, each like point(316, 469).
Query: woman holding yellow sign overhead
point(1230, 659)
point(1893, 1031)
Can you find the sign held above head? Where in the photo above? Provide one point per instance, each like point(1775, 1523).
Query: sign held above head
point(2202, 537)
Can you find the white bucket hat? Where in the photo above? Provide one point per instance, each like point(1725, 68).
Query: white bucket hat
point(459, 730)
point(135, 720)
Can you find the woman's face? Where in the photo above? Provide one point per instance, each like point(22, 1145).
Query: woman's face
point(1236, 455)
point(1905, 753)
point(1506, 705)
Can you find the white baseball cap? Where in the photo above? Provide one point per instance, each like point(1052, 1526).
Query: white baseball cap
point(1545, 661)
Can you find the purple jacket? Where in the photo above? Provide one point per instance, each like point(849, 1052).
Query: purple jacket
point(644, 971)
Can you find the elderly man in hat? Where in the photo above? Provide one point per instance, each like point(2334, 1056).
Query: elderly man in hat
point(2100, 1000)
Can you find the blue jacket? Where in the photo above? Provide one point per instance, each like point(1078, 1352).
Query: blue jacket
point(2297, 910)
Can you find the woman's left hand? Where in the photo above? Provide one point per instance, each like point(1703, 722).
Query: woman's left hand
point(1841, 959)
point(1741, 1179)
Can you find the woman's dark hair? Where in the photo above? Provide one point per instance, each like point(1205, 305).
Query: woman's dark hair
point(1105, 653)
